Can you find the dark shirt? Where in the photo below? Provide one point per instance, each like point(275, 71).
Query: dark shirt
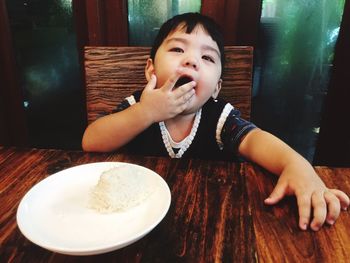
point(205, 144)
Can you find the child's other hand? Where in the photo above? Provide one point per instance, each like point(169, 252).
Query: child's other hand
point(165, 103)
point(313, 197)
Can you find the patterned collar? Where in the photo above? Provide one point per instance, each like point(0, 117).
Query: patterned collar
point(185, 143)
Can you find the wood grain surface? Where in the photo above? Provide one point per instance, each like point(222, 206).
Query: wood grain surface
point(209, 219)
point(113, 73)
point(216, 214)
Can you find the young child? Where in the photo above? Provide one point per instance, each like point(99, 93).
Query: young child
point(179, 114)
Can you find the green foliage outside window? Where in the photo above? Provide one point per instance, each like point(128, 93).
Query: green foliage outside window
point(299, 38)
point(146, 16)
point(49, 74)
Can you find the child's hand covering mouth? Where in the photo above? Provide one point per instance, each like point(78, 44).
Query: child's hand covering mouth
point(182, 81)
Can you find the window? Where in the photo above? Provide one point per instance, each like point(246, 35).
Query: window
point(46, 53)
point(146, 16)
point(293, 63)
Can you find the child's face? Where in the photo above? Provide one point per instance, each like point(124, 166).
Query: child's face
point(197, 55)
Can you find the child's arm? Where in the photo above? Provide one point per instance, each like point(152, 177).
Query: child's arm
point(111, 132)
point(297, 177)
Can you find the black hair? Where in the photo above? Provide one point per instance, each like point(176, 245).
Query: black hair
point(190, 21)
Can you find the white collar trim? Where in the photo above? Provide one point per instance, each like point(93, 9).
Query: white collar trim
point(225, 113)
point(183, 145)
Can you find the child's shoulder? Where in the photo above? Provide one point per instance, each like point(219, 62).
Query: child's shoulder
point(137, 95)
point(216, 107)
point(217, 104)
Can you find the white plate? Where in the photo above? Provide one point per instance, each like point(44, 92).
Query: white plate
point(55, 215)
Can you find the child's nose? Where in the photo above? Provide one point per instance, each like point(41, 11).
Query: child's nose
point(191, 62)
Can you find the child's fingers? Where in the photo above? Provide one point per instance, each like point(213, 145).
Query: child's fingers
point(187, 96)
point(171, 81)
point(333, 206)
point(185, 90)
point(151, 83)
point(277, 194)
point(319, 210)
point(343, 198)
point(304, 208)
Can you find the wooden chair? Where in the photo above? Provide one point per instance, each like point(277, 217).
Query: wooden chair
point(113, 73)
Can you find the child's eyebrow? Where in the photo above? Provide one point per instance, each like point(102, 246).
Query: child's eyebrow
point(184, 41)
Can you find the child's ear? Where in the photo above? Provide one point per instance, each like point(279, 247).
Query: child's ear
point(217, 89)
point(149, 69)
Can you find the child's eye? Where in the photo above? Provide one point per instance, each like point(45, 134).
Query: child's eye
point(177, 49)
point(209, 58)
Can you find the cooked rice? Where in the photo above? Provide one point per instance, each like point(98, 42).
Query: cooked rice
point(119, 189)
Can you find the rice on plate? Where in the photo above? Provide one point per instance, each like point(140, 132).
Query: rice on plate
point(119, 189)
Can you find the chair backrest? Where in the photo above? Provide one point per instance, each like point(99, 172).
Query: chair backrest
point(114, 73)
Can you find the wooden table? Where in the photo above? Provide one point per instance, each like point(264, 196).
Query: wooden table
point(216, 215)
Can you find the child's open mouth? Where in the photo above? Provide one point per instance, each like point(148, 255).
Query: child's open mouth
point(182, 80)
